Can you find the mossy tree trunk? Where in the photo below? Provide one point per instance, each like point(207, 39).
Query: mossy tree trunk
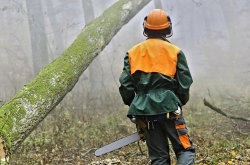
point(35, 100)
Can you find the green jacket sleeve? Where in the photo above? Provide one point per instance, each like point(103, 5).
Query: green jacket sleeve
point(126, 88)
point(184, 78)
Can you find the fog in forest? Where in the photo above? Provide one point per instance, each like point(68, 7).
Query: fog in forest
point(213, 34)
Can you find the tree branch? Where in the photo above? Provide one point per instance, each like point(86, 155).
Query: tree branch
point(218, 110)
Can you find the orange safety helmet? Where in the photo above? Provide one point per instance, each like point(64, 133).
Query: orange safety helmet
point(157, 19)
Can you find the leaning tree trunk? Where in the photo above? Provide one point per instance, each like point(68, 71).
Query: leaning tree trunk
point(35, 100)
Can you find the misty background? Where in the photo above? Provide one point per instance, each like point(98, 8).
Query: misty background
point(213, 34)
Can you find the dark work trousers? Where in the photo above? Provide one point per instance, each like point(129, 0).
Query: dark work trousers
point(157, 135)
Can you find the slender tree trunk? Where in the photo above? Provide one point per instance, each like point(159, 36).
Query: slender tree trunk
point(88, 11)
point(37, 35)
point(36, 99)
point(56, 30)
point(158, 4)
point(94, 69)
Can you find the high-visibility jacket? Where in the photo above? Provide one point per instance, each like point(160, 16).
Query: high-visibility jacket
point(155, 78)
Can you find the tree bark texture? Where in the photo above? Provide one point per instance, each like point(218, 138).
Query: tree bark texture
point(36, 99)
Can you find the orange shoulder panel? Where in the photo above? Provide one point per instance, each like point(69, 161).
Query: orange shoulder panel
point(154, 55)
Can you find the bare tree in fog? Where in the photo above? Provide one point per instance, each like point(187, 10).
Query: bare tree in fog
point(158, 4)
point(88, 10)
point(37, 35)
point(55, 28)
point(237, 43)
point(94, 68)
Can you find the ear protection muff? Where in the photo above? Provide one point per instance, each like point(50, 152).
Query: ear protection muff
point(169, 28)
point(145, 19)
point(169, 19)
point(143, 25)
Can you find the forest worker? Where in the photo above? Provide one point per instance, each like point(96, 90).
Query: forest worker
point(155, 84)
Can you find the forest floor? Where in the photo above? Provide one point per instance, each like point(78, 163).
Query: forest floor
point(70, 136)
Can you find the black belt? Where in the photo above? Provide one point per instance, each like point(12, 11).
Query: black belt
point(165, 116)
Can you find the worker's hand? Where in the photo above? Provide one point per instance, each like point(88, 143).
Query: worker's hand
point(139, 125)
point(177, 113)
point(133, 120)
point(142, 136)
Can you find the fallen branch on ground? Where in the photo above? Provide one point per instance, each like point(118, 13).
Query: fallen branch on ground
point(218, 110)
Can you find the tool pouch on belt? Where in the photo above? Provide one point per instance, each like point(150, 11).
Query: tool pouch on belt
point(140, 125)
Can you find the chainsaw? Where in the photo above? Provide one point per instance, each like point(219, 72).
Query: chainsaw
point(120, 143)
point(135, 136)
